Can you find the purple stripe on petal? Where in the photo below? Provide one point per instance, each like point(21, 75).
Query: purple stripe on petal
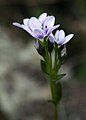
point(38, 33)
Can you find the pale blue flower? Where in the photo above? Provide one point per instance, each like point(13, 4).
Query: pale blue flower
point(38, 28)
point(60, 37)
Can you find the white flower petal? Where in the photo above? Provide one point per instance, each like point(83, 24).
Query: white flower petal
point(17, 24)
point(51, 38)
point(26, 28)
point(42, 17)
point(34, 23)
point(49, 22)
point(25, 21)
point(67, 38)
point(59, 35)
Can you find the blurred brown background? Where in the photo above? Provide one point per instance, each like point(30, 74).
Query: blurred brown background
point(23, 88)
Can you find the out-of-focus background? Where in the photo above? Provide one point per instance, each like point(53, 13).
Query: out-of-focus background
point(23, 88)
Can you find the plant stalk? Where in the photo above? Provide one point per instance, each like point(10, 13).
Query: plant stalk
point(53, 94)
point(55, 112)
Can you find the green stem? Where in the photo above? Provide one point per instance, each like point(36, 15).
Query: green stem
point(48, 59)
point(46, 51)
point(55, 60)
point(53, 94)
point(53, 90)
point(55, 112)
point(53, 86)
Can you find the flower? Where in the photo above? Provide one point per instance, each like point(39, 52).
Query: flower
point(60, 37)
point(38, 28)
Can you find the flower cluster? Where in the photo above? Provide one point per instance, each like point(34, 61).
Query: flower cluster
point(42, 27)
point(51, 48)
point(38, 28)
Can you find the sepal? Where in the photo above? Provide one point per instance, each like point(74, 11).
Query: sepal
point(41, 50)
point(50, 46)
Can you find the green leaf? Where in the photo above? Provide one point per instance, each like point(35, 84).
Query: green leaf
point(60, 76)
point(58, 92)
point(44, 66)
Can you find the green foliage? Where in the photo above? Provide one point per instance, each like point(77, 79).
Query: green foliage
point(60, 76)
point(56, 92)
point(44, 66)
